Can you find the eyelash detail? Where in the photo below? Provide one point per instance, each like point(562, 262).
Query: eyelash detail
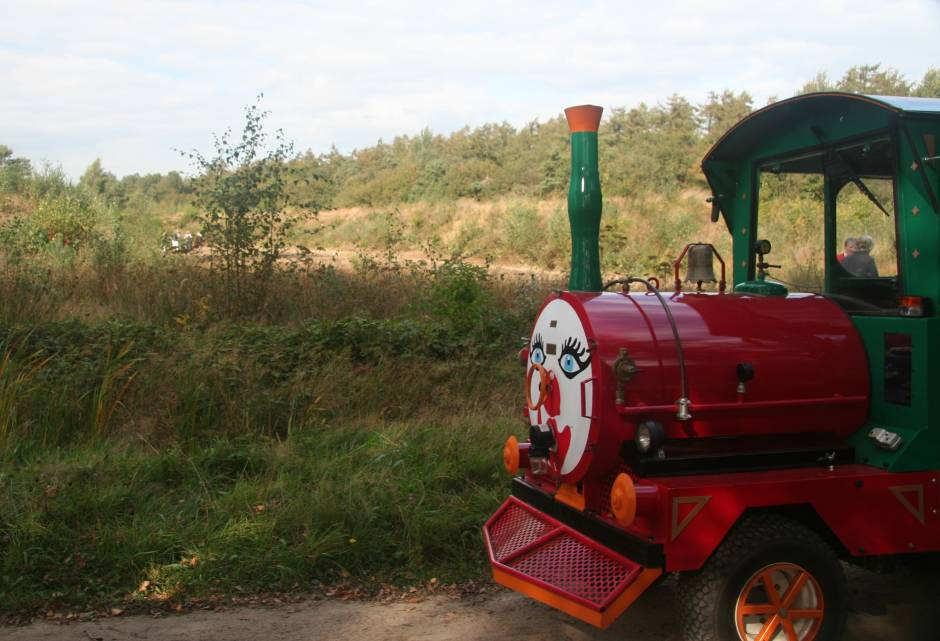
point(573, 347)
point(537, 351)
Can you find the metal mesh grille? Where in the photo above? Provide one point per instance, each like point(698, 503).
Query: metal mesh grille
point(514, 529)
point(574, 567)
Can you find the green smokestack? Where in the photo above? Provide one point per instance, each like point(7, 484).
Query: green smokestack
point(584, 199)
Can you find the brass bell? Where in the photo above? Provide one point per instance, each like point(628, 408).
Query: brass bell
point(701, 265)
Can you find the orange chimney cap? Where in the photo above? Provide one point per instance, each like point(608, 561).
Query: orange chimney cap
point(584, 118)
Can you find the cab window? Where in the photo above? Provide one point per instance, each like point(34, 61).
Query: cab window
point(865, 244)
point(863, 258)
point(830, 216)
point(790, 215)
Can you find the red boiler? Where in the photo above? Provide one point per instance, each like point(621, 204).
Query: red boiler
point(690, 365)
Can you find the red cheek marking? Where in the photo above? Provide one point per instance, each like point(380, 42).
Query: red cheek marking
point(553, 401)
point(562, 442)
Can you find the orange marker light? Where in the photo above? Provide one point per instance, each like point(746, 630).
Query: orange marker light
point(911, 306)
point(511, 455)
point(623, 499)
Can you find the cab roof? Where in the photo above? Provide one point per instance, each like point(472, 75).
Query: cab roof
point(750, 134)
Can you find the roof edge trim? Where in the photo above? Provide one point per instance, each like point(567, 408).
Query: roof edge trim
point(874, 100)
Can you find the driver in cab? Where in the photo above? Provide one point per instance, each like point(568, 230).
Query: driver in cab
point(857, 258)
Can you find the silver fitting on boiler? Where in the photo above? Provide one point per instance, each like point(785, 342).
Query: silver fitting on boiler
point(685, 409)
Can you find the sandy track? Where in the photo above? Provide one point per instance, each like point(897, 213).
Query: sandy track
point(897, 607)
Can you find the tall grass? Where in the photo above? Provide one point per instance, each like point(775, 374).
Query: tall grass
point(16, 379)
point(155, 448)
point(109, 393)
point(361, 501)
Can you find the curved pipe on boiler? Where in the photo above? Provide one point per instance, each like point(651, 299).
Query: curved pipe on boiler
point(683, 413)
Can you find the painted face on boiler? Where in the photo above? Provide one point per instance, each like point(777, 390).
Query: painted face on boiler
point(560, 382)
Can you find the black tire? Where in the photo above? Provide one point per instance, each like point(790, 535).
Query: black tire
point(707, 598)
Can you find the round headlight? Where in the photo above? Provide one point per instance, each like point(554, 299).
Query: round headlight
point(649, 435)
point(644, 438)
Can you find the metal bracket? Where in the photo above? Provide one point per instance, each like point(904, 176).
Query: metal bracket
point(624, 369)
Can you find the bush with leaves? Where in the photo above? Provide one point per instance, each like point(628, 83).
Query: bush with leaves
point(69, 219)
point(61, 225)
point(14, 172)
point(242, 192)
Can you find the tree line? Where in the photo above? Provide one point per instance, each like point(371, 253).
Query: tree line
point(645, 149)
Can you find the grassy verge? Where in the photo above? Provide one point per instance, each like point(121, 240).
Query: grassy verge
point(101, 524)
point(171, 454)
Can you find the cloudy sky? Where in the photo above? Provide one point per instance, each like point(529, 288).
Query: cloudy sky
point(130, 82)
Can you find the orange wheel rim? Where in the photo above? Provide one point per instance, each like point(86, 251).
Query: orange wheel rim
point(543, 386)
point(780, 602)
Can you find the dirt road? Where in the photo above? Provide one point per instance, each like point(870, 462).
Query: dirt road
point(898, 607)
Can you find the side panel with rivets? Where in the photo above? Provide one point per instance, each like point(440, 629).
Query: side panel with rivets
point(870, 511)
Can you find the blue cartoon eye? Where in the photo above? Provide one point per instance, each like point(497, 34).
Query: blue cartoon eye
point(573, 358)
point(537, 353)
point(569, 364)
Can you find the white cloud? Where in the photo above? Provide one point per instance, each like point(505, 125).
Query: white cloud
point(129, 82)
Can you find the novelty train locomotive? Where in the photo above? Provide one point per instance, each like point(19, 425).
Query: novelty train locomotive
point(749, 438)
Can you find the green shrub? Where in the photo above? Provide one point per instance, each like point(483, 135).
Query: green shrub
point(459, 297)
point(15, 173)
point(242, 194)
point(68, 219)
point(469, 240)
point(49, 181)
point(21, 236)
point(61, 225)
point(522, 231)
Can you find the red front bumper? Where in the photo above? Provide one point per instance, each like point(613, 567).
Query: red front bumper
point(536, 555)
